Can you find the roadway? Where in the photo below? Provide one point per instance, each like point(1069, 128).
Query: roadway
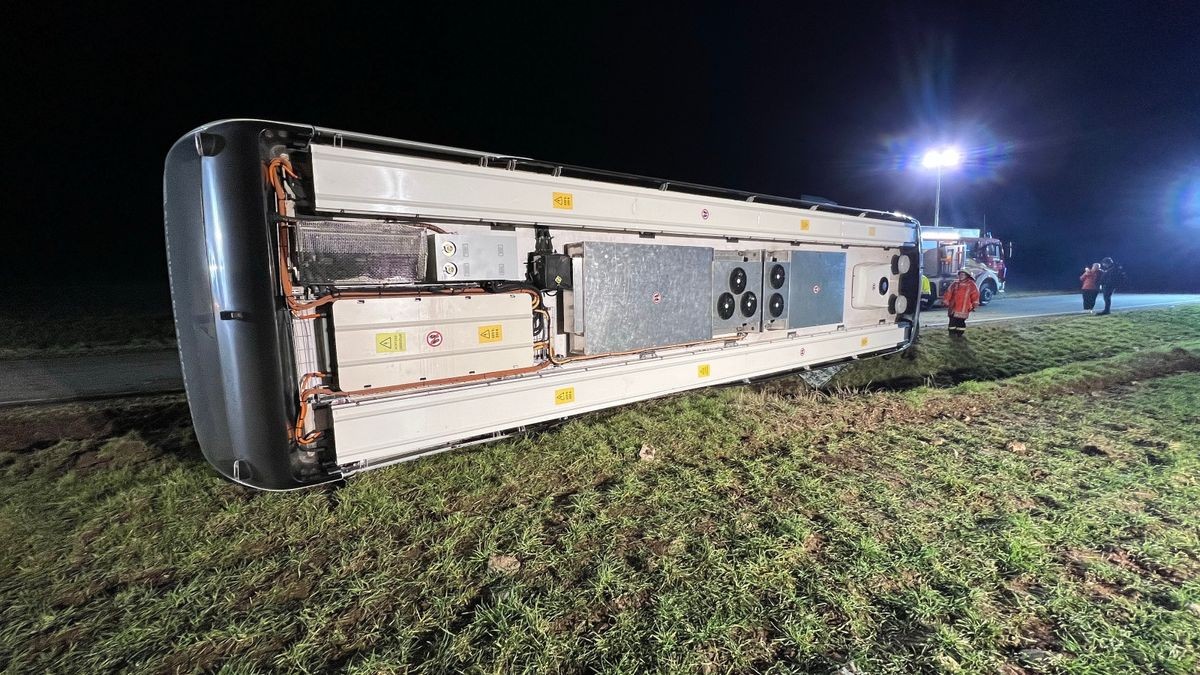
point(1030, 306)
point(109, 375)
point(71, 378)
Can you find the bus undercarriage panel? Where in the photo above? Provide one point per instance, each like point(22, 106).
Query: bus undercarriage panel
point(387, 430)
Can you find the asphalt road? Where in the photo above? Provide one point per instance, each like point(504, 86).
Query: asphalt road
point(83, 377)
point(1021, 307)
point(108, 375)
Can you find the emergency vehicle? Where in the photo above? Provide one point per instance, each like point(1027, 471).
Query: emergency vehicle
point(946, 250)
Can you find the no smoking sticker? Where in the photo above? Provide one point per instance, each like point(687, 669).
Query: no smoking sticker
point(656, 298)
point(434, 338)
point(704, 214)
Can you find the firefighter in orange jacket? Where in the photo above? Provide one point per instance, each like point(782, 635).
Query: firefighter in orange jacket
point(961, 298)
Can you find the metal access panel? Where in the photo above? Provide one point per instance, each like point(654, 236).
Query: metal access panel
point(874, 286)
point(736, 292)
point(381, 342)
point(817, 289)
point(777, 277)
point(640, 296)
point(475, 257)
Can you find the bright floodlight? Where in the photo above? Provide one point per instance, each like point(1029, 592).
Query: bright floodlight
point(941, 158)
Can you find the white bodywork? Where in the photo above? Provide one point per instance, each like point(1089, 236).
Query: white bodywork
point(404, 340)
point(464, 199)
point(403, 427)
point(354, 181)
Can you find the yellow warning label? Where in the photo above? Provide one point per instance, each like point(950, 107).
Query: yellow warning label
point(863, 342)
point(871, 231)
point(804, 224)
point(491, 333)
point(564, 395)
point(564, 200)
point(703, 370)
point(389, 342)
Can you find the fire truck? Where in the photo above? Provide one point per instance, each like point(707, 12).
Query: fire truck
point(946, 250)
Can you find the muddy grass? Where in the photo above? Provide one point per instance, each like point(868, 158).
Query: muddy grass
point(1045, 520)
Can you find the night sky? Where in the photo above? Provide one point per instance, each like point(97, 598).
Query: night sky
point(1081, 122)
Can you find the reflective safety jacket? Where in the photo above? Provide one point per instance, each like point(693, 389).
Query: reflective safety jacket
point(1090, 279)
point(961, 298)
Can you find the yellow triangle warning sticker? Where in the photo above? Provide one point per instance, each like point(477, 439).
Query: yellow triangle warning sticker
point(389, 342)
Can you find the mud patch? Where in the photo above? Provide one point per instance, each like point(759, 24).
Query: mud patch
point(32, 430)
point(55, 642)
point(1143, 567)
point(203, 656)
point(504, 564)
point(287, 589)
point(76, 597)
point(126, 451)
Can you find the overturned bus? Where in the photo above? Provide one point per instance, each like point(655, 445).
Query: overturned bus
point(346, 301)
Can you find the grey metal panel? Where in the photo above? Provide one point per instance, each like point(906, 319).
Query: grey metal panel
point(818, 289)
point(640, 296)
point(724, 265)
point(770, 260)
point(476, 257)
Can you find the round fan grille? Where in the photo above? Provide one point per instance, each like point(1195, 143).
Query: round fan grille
point(775, 305)
point(778, 276)
point(749, 304)
point(737, 280)
point(725, 305)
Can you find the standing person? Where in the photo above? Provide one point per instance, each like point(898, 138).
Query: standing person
point(1090, 281)
point(961, 298)
point(1112, 277)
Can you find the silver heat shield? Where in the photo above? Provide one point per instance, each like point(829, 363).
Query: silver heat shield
point(640, 296)
point(359, 253)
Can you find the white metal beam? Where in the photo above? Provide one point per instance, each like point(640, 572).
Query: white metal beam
point(355, 181)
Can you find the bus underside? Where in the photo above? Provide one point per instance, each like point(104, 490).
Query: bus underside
point(346, 301)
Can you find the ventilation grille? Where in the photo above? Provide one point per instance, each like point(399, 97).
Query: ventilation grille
point(349, 253)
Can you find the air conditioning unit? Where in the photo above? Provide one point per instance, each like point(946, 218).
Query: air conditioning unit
point(737, 292)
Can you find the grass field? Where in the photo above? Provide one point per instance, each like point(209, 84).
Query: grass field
point(1026, 502)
